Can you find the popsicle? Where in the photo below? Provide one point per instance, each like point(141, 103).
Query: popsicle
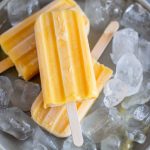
point(19, 41)
point(50, 118)
point(55, 119)
point(64, 58)
point(65, 63)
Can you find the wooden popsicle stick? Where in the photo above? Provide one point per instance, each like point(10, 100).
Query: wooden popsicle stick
point(5, 64)
point(144, 3)
point(104, 39)
point(74, 124)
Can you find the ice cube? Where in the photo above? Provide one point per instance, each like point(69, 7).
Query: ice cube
point(112, 142)
point(124, 41)
point(138, 18)
point(148, 86)
point(101, 12)
point(115, 8)
point(16, 123)
point(136, 136)
point(114, 91)
point(98, 125)
point(133, 124)
point(18, 10)
point(143, 54)
point(148, 148)
point(129, 70)
point(142, 97)
point(24, 94)
point(140, 112)
point(88, 144)
point(4, 22)
point(145, 4)
point(9, 143)
point(116, 116)
point(96, 12)
point(41, 141)
point(135, 130)
point(147, 121)
point(6, 91)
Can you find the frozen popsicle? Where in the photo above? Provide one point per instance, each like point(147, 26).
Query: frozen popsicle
point(19, 41)
point(55, 119)
point(64, 58)
point(65, 63)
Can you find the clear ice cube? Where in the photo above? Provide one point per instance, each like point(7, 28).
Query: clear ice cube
point(116, 116)
point(101, 12)
point(142, 97)
point(6, 91)
point(98, 125)
point(18, 10)
point(114, 91)
point(114, 8)
point(24, 94)
point(129, 70)
point(139, 112)
point(147, 121)
point(41, 141)
point(96, 13)
point(38, 141)
point(4, 22)
point(135, 130)
point(16, 123)
point(148, 148)
point(124, 41)
point(136, 136)
point(143, 54)
point(9, 143)
point(87, 145)
point(133, 124)
point(138, 18)
point(112, 142)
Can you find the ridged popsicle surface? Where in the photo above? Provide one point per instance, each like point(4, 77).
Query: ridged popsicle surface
point(64, 58)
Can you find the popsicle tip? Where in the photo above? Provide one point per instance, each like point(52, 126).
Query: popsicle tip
point(112, 27)
point(79, 143)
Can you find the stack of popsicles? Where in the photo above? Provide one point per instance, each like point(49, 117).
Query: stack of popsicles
point(71, 80)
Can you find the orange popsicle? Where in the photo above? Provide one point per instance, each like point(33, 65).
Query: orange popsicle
point(65, 63)
point(55, 119)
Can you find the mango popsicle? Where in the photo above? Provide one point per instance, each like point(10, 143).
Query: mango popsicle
point(55, 119)
point(19, 41)
point(51, 118)
point(65, 63)
point(64, 58)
